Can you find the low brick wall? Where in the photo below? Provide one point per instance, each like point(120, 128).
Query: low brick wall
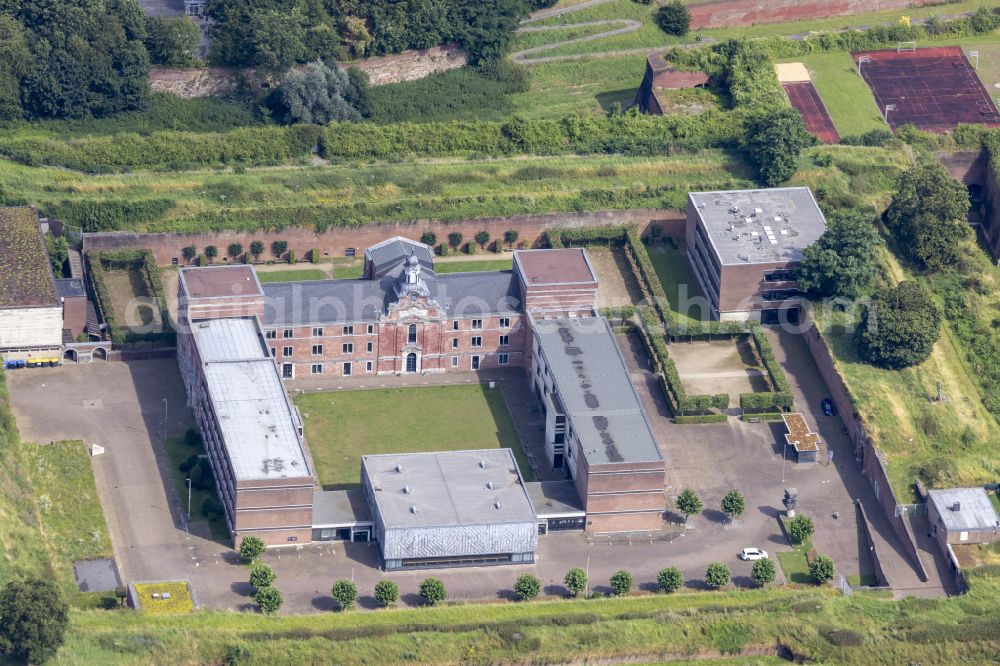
point(725, 13)
point(336, 242)
point(873, 466)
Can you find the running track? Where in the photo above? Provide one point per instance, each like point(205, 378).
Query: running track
point(805, 98)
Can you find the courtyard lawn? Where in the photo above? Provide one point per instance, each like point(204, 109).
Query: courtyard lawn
point(124, 287)
point(671, 265)
point(179, 602)
point(846, 96)
point(292, 275)
point(795, 565)
point(471, 266)
point(341, 426)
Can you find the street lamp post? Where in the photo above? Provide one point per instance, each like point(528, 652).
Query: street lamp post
point(164, 421)
point(188, 480)
point(885, 115)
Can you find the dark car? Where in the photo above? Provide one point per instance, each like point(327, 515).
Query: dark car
point(828, 408)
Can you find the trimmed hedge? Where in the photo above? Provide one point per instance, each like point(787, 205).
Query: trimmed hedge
point(780, 398)
point(701, 418)
point(99, 262)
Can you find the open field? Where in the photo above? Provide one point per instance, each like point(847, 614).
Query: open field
point(130, 296)
point(435, 189)
point(341, 426)
point(845, 95)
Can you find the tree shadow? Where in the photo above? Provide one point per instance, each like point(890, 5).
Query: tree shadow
point(325, 603)
point(242, 588)
point(555, 591)
point(715, 516)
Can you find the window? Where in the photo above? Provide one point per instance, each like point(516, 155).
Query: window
point(316, 368)
point(368, 366)
point(317, 350)
point(287, 334)
point(271, 335)
point(287, 370)
point(454, 325)
point(347, 369)
point(274, 352)
point(368, 347)
point(477, 341)
point(454, 361)
point(477, 324)
point(779, 276)
point(348, 330)
point(454, 343)
point(504, 322)
point(347, 348)
point(371, 329)
point(504, 340)
point(411, 362)
point(475, 362)
point(317, 332)
point(287, 351)
point(411, 333)
point(503, 359)
point(350, 252)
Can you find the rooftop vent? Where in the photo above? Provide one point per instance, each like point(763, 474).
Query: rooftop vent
point(497, 505)
point(406, 490)
point(482, 463)
point(957, 506)
point(489, 485)
point(414, 509)
point(399, 468)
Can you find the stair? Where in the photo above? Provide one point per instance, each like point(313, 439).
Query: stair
point(93, 325)
point(75, 263)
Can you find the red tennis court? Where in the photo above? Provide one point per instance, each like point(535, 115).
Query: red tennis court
point(804, 97)
point(933, 88)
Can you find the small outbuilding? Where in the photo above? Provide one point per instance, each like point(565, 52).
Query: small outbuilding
point(962, 515)
point(661, 75)
point(450, 509)
point(801, 438)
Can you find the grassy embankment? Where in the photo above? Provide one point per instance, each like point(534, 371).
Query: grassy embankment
point(434, 189)
point(342, 426)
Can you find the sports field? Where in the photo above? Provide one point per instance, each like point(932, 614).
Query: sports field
point(342, 426)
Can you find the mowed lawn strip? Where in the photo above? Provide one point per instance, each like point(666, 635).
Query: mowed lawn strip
point(342, 426)
point(292, 275)
point(846, 96)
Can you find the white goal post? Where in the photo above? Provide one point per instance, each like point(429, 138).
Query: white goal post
point(906, 47)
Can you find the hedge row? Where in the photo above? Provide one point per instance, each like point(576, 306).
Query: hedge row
point(780, 397)
point(701, 418)
point(98, 263)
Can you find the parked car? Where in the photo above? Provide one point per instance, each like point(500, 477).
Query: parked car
point(751, 554)
point(828, 407)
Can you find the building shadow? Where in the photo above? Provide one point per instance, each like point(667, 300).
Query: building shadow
point(769, 511)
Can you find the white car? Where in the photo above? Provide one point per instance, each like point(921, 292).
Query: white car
point(751, 554)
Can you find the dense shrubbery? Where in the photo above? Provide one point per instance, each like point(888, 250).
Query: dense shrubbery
point(172, 41)
point(899, 327)
point(320, 93)
point(109, 214)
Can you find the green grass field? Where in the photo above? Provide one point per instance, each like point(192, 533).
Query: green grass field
point(177, 453)
point(341, 426)
point(292, 275)
point(678, 282)
point(846, 96)
point(179, 602)
point(471, 266)
point(433, 189)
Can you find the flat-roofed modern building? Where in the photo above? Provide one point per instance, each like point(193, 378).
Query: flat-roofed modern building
point(252, 432)
point(744, 247)
point(449, 509)
point(962, 515)
point(595, 426)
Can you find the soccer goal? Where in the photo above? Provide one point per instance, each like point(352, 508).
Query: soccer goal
point(906, 47)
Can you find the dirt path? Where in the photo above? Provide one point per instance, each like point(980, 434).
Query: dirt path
point(523, 57)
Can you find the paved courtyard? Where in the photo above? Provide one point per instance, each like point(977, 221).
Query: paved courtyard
point(718, 366)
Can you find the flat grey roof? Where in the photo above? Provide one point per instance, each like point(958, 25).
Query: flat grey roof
point(759, 226)
point(345, 301)
point(976, 511)
point(258, 425)
point(555, 498)
point(447, 488)
point(70, 288)
point(593, 384)
point(340, 508)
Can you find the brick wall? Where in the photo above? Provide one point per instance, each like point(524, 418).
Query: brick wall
point(335, 242)
point(748, 12)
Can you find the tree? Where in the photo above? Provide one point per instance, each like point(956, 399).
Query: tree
point(482, 238)
point(899, 327)
point(433, 591)
point(717, 575)
point(256, 249)
point(211, 252)
point(576, 581)
point(763, 572)
point(33, 620)
point(800, 528)
point(172, 41)
point(844, 261)
point(455, 238)
point(276, 39)
point(674, 18)
point(58, 250)
point(486, 29)
point(733, 505)
point(773, 140)
point(689, 504)
point(527, 587)
point(269, 600)
point(15, 63)
point(319, 94)
point(345, 592)
point(189, 253)
point(429, 238)
point(261, 576)
point(278, 248)
point(928, 215)
point(669, 579)
point(234, 250)
point(510, 237)
point(386, 593)
point(621, 583)
point(251, 547)
point(821, 569)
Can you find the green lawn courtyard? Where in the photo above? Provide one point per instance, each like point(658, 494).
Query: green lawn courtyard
point(341, 426)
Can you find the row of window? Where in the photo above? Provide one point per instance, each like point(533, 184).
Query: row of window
point(348, 347)
point(347, 367)
point(319, 331)
point(477, 341)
